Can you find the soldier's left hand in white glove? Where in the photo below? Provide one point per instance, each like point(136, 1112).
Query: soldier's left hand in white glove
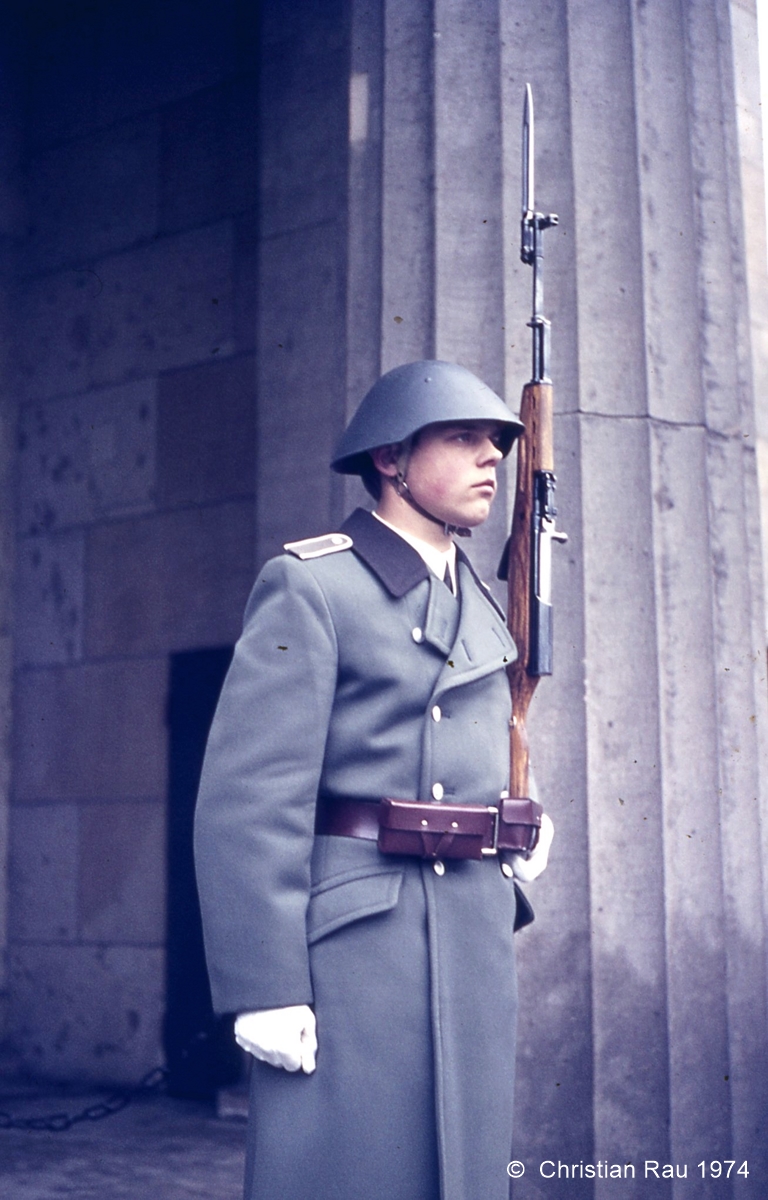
point(528, 869)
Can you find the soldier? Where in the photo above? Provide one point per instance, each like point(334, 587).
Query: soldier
point(372, 666)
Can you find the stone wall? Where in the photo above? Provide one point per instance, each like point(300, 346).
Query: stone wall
point(134, 357)
point(12, 228)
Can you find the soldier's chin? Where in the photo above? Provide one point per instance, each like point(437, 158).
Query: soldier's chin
point(470, 519)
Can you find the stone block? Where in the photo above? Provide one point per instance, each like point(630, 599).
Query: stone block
point(153, 54)
point(165, 305)
point(307, 28)
point(51, 325)
point(50, 591)
point(91, 731)
point(625, 820)
point(246, 281)
point(87, 456)
point(667, 217)
point(61, 62)
point(6, 710)
point(206, 433)
point(210, 165)
point(87, 1013)
point(43, 874)
point(408, 298)
point(469, 321)
point(121, 873)
point(303, 139)
point(170, 582)
point(605, 171)
point(301, 382)
point(94, 195)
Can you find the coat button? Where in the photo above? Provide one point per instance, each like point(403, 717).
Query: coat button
point(438, 867)
point(417, 634)
point(506, 869)
point(438, 791)
point(437, 713)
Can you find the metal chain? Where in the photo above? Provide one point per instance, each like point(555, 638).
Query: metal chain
point(153, 1081)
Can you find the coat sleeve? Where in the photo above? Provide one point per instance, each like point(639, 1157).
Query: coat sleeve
point(254, 824)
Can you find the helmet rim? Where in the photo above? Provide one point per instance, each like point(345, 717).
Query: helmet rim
point(409, 398)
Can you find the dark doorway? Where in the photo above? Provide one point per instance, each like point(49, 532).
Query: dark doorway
point(200, 1050)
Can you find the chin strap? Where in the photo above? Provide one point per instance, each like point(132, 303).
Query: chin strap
point(400, 485)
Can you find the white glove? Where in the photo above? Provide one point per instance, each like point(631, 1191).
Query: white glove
point(282, 1037)
point(528, 869)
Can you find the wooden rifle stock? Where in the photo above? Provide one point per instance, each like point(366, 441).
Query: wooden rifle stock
point(534, 454)
point(529, 552)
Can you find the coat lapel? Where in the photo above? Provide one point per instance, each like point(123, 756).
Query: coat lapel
point(470, 631)
point(482, 643)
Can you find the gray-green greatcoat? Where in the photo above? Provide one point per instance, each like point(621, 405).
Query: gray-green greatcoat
point(359, 674)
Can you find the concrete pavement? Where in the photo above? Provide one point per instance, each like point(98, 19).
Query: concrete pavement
point(158, 1148)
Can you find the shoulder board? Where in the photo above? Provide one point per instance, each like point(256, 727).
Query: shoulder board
point(318, 547)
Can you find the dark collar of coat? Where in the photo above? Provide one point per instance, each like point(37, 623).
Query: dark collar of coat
point(397, 564)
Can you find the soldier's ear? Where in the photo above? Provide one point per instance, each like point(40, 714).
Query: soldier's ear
point(386, 458)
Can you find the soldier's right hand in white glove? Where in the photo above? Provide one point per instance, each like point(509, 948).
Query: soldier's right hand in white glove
point(282, 1037)
point(528, 869)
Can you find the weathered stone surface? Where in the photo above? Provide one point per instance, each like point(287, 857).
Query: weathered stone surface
point(468, 195)
point(51, 586)
point(151, 55)
point(157, 584)
point(62, 76)
point(44, 848)
point(407, 286)
point(158, 1146)
point(91, 731)
point(689, 776)
point(300, 367)
point(121, 868)
point(92, 196)
point(210, 165)
point(87, 1012)
point(51, 322)
point(206, 433)
point(607, 227)
point(364, 229)
point(165, 305)
point(304, 118)
point(625, 827)
point(667, 215)
point(86, 457)
point(246, 281)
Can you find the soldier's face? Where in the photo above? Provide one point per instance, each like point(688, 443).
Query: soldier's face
point(452, 470)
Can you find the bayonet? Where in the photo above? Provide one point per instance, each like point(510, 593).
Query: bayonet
point(528, 559)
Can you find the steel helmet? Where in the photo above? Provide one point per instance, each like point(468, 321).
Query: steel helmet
point(412, 396)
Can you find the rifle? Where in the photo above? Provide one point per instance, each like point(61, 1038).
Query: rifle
point(527, 560)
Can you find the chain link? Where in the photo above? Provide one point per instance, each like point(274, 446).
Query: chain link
point(154, 1081)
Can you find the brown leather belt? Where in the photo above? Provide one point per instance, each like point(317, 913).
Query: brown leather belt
point(430, 830)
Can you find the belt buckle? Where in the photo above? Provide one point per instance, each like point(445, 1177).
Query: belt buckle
point(494, 848)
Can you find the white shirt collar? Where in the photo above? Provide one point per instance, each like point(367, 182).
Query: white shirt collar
point(436, 560)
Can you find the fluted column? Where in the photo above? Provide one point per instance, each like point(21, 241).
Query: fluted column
point(643, 1028)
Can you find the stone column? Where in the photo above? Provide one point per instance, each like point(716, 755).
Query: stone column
point(643, 983)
